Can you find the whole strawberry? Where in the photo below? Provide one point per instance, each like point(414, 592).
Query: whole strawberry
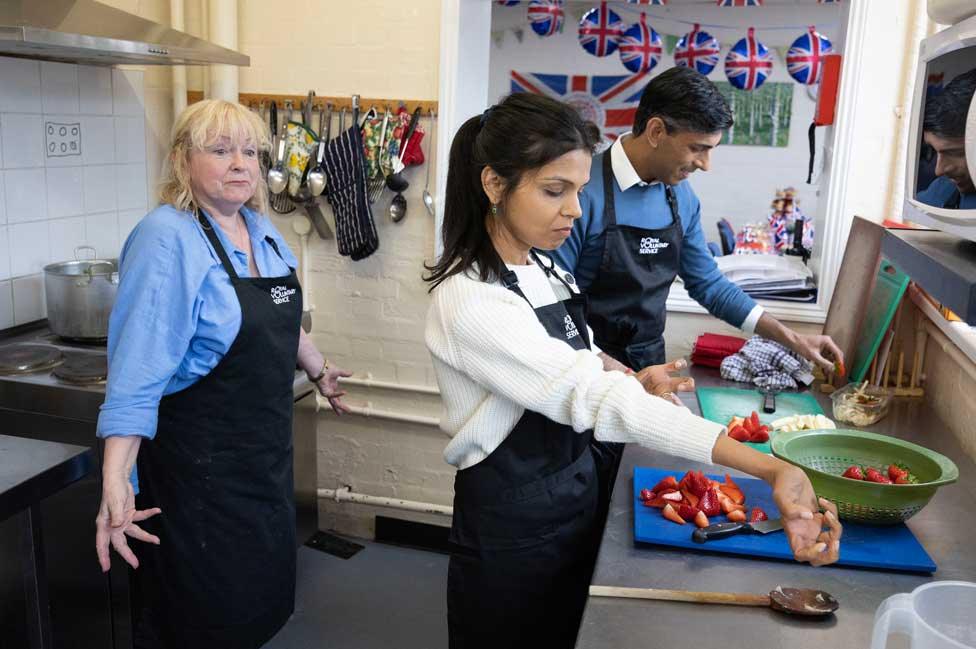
point(854, 472)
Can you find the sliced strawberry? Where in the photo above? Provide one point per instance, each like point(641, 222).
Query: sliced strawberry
point(839, 369)
point(668, 483)
point(749, 426)
point(672, 515)
point(754, 417)
point(646, 494)
point(732, 491)
point(736, 516)
point(895, 472)
point(709, 504)
point(691, 498)
point(740, 434)
point(757, 514)
point(760, 436)
point(699, 484)
point(685, 482)
point(673, 496)
point(854, 472)
point(727, 505)
point(686, 511)
point(701, 520)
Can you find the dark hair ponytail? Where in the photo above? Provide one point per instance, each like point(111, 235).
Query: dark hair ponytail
point(522, 133)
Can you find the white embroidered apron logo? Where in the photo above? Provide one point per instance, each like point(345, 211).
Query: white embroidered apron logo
point(571, 330)
point(651, 245)
point(280, 294)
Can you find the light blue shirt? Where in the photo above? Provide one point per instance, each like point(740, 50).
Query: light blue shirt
point(644, 205)
point(176, 313)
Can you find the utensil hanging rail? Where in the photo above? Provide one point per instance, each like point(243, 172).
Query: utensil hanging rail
point(338, 103)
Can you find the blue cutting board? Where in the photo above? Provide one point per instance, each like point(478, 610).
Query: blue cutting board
point(891, 547)
point(721, 404)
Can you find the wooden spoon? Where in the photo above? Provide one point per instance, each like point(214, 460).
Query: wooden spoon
point(795, 601)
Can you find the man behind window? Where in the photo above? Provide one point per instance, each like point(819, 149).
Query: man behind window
point(944, 130)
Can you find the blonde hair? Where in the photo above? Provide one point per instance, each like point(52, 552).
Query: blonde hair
point(200, 125)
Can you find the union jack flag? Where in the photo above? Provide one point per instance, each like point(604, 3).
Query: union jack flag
point(610, 102)
point(697, 49)
point(599, 30)
point(739, 3)
point(640, 47)
point(656, 3)
point(546, 16)
point(804, 60)
point(748, 63)
point(829, 2)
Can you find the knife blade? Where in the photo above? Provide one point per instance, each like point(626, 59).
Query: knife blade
point(723, 530)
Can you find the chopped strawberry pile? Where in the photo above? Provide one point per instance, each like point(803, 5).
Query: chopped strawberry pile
point(748, 429)
point(696, 499)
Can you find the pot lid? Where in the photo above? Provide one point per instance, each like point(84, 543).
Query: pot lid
point(82, 368)
point(23, 358)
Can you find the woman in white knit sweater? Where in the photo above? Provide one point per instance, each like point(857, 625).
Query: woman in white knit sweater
point(525, 392)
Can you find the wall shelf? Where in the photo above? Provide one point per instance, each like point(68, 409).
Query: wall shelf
point(338, 103)
point(943, 264)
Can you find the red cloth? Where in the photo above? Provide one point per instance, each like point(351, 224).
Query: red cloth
point(711, 349)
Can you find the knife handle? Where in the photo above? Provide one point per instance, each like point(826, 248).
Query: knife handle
point(719, 531)
point(769, 402)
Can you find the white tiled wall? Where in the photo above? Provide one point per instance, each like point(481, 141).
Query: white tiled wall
point(72, 171)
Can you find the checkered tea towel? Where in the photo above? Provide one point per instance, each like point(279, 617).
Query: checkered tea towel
point(768, 365)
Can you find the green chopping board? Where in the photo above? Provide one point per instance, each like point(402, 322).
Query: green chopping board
point(721, 404)
point(889, 287)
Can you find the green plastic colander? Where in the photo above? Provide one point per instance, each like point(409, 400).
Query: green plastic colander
point(825, 454)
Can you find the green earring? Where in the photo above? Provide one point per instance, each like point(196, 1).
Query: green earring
point(494, 210)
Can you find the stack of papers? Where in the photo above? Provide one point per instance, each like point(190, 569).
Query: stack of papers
point(770, 276)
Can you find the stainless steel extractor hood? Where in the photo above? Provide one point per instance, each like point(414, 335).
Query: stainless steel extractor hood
point(86, 31)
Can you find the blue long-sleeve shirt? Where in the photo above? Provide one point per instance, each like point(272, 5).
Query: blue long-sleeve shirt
point(941, 190)
point(176, 313)
point(644, 205)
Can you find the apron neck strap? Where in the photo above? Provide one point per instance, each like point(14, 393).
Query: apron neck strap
point(672, 204)
point(217, 246)
point(550, 269)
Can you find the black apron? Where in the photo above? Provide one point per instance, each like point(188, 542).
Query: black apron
point(628, 302)
point(220, 467)
point(525, 530)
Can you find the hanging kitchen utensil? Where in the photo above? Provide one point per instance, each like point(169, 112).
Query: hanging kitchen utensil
point(378, 180)
point(277, 179)
point(795, 601)
point(398, 208)
point(316, 177)
point(428, 199)
point(280, 201)
point(396, 181)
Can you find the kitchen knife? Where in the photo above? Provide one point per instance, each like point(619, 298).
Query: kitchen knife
point(723, 530)
point(769, 401)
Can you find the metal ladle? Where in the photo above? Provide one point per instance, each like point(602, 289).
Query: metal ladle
point(795, 601)
point(277, 178)
point(428, 199)
point(316, 177)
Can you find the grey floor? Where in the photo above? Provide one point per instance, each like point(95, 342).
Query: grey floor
point(383, 597)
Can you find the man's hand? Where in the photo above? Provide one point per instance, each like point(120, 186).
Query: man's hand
point(816, 348)
point(657, 380)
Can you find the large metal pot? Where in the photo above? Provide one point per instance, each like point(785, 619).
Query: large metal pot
point(80, 295)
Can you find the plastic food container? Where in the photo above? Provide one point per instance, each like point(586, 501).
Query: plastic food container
point(860, 406)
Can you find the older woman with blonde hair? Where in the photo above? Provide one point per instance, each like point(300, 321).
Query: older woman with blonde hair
point(203, 343)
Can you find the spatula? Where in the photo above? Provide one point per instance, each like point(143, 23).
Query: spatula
point(795, 601)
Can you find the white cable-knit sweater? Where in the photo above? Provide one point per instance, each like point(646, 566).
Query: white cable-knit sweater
point(494, 359)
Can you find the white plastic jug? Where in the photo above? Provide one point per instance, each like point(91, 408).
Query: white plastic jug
point(937, 615)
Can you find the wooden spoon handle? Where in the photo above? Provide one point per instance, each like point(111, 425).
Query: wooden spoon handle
point(738, 599)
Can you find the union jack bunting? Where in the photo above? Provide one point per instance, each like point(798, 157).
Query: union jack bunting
point(739, 3)
point(829, 2)
point(640, 47)
point(599, 30)
point(610, 102)
point(804, 60)
point(697, 49)
point(748, 63)
point(508, 3)
point(655, 3)
point(546, 16)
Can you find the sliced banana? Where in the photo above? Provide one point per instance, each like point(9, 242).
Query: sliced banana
point(802, 422)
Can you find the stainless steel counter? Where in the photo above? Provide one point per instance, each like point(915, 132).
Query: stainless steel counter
point(944, 527)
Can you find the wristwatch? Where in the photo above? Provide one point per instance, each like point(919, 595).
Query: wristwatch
point(321, 375)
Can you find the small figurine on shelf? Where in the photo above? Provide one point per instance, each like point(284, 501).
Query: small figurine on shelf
point(783, 219)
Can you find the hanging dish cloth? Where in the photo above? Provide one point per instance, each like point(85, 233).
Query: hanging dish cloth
point(346, 187)
point(768, 365)
point(300, 144)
